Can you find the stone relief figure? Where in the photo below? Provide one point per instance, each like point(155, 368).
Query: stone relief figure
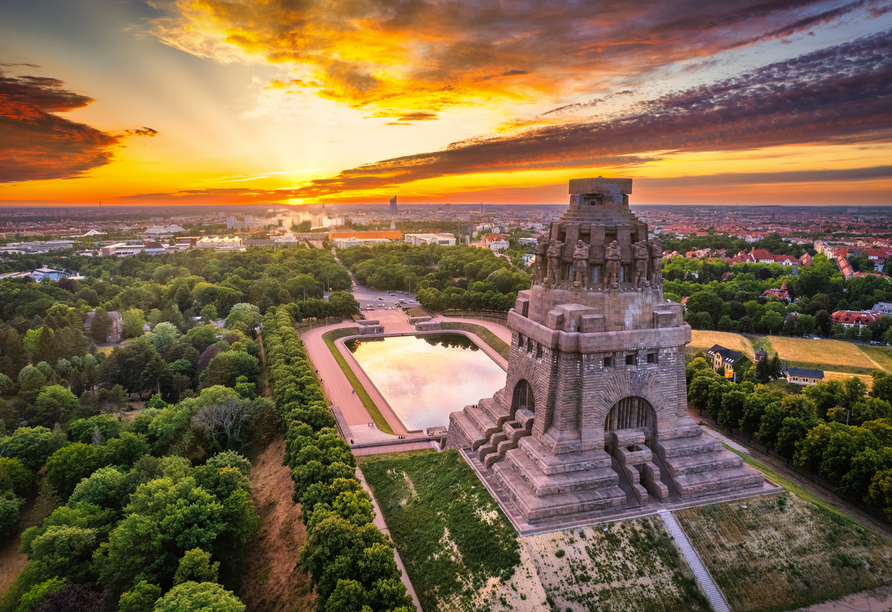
point(554, 262)
point(541, 251)
point(613, 254)
point(640, 256)
point(656, 262)
point(580, 264)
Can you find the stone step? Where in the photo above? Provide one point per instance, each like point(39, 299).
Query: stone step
point(503, 448)
point(697, 464)
point(536, 509)
point(481, 421)
point(491, 445)
point(691, 430)
point(467, 430)
point(682, 447)
point(543, 485)
point(549, 463)
point(494, 410)
point(692, 486)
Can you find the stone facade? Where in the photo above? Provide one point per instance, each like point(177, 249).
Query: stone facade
point(593, 416)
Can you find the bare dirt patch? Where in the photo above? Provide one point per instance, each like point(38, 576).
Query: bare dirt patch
point(271, 580)
point(782, 553)
point(12, 562)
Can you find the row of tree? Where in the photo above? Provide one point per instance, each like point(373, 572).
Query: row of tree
point(834, 429)
point(350, 561)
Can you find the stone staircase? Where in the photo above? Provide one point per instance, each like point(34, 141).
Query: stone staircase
point(476, 424)
point(698, 465)
point(506, 439)
point(558, 485)
point(704, 578)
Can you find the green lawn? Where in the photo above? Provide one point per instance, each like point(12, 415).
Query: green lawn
point(497, 344)
point(450, 533)
point(329, 338)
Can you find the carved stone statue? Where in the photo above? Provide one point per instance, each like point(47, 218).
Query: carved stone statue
point(580, 264)
point(640, 255)
point(541, 251)
point(656, 262)
point(613, 254)
point(555, 250)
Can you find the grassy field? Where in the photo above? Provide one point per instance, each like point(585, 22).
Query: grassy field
point(880, 354)
point(372, 408)
point(497, 344)
point(450, 533)
point(702, 339)
point(417, 311)
point(782, 552)
point(632, 566)
point(824, 354)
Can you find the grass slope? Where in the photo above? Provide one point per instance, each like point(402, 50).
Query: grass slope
point(451, 534)
point(702, 339)
point(372, 408)
point(497, 344)
point(783, 553)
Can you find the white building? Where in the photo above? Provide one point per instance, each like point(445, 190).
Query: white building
point(419, 239)
point(220, 243)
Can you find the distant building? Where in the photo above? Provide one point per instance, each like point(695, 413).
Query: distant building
point(802, 376)
point(115, 332)
point(844, 266)
point(782, 294)
point(496, 242)
point(725, 360)
point(760, 355)
point(365, 237)
point(883, 308)
point(393, 212)
point(418, 239)
point(855, 318)
point(805, 261)
point(221, 244)
point(42, 273)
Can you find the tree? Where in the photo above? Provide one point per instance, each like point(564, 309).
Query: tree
point(14, 476)
point(54, 405)
point(342, 304)
point(226, 367)
point(177, 514)
point(31, 445)
point(163, 336)
point(66, 467)
point(196, 566)
point(140, 598)
point(248, 314)
point(100, 326)
point(223, 418)
point(30, 381)
point(6, 385)
point(771, 321)
point(10, 505)
point(134, 323)
point(204, 596)
point(155, 371)
point(65, 550)
point(82, 430)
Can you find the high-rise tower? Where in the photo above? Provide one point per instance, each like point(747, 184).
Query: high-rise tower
point(393, 206)
point(593, 416)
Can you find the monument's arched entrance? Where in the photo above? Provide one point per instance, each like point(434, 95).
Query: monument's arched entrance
point(522, 397)
point(633, 413)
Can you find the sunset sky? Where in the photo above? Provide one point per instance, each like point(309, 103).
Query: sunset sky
point(136, 102)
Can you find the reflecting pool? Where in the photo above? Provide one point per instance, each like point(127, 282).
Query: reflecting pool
point(424, 378)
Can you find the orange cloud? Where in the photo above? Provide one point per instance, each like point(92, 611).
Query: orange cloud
point(402, 56)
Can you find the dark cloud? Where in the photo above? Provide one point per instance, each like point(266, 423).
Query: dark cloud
point(143, 131)
point(771, 178)
point(37, 144)
point(837, 95)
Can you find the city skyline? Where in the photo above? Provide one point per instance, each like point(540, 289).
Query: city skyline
point(214, 102)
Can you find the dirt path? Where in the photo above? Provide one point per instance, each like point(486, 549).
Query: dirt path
point(271, 580)
point(12, 562)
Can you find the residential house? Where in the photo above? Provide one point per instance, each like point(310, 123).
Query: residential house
point(855, 318)
point(725, 361)
point(115, 332)
point(803, 376)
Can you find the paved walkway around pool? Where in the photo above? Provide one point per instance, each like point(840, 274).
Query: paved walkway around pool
point(353, 414)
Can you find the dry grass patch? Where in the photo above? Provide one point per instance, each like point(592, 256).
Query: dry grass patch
point(417, 311)
point(829, 352)
point(783, 553)
point(271, 580)
point(632, 567)
point(844, 376)
point(880, 354)
point(703, 339)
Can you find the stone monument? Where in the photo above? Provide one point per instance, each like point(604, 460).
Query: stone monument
point(593, 417)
